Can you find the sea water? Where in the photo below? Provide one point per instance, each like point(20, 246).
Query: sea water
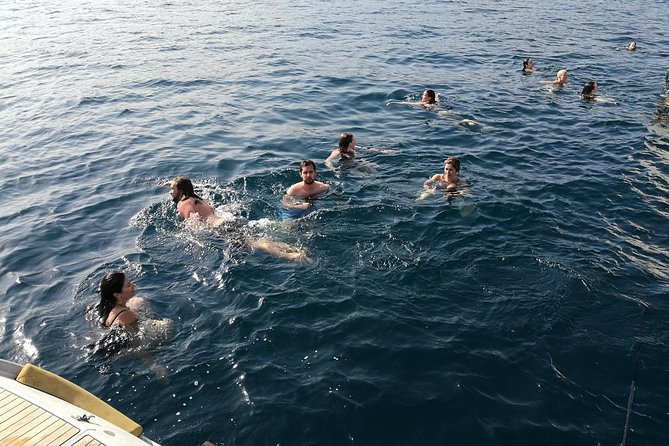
point(521, 312)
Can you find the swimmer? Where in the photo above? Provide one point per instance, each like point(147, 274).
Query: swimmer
point(528, 66)
point(561, 78)
point(449, 180)
point(309, 187)
point(345, 150)
point(429, 97)
point(631, 46)
point(117, 302)
point(193, 209)
point(588, 92)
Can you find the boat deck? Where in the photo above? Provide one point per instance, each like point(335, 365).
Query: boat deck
point(23, 423)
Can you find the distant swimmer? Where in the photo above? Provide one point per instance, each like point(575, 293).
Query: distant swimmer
point(193, 209)
point(345, 150)
point(117, 302)
point(428, 98)
point(528, 66)
point(561, 78)
point(448, 180)
point(588, 92)
point(297, 194)
point(631, 46)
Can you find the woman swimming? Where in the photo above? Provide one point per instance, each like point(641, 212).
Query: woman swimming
point(429, 97)
point(588, 92)
point(117, 302)
point(528, 66)
point(449, 180)
point(561, 78)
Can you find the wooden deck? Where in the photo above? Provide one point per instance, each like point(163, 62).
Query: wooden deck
point(24, 424)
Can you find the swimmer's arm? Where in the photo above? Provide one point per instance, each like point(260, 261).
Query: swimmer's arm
point(377, 150)
point(435, 179)
point(293, 202)
point(329, 162)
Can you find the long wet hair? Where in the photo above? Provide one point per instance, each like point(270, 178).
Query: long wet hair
point(344, 141)
point(185, 186)
point(111, 283)
point(432, 95)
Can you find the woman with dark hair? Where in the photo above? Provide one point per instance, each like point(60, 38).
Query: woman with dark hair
point(117, 300)
point(588, 91)
point(344, 151)
point(429, 97)
point(528, 66)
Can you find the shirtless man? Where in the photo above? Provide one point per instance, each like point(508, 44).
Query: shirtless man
point(307, 188)
point(449, 180)
point(193, 209)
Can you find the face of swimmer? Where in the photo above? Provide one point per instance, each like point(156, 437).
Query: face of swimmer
point(450, 173)
point(175, 193)
point(562, 76)
point(127, 291)
point(308, 174)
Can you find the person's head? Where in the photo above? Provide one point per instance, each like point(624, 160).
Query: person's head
point(454, 162)
point(631, 46)
point(308, 171)
point(528, 64)
point(346, 142)
point(589, 90)
point(666, 79)
point(115, 288)
point(429, 97)
point(182, 187)
point(562, 76)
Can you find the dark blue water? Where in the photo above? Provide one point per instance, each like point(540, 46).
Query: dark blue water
point(519, 313)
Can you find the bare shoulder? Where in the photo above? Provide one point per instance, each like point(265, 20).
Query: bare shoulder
point(185, 208)
point(126, 318)
point(294, 190)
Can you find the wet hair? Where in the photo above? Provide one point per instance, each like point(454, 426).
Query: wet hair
point(666, 79)
point(453, 161)
point(432, 95)
point(111, 283)
point(526, 64)
point(306, 163)
point(344, 141)
point(588, 90)
point(185, 186)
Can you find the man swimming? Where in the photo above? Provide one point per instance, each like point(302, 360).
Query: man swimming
point(190, 206)
point(309, 187)
point(193, 209)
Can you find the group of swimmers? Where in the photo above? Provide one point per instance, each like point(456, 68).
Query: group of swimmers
point(118, 304)
point(562, 77)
